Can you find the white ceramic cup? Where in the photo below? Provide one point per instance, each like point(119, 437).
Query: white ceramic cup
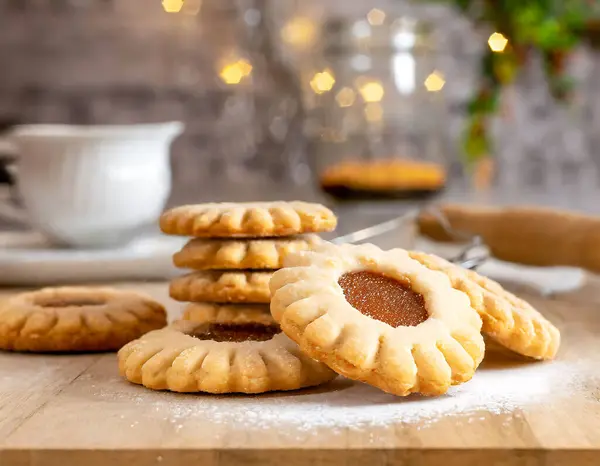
point(92, 186)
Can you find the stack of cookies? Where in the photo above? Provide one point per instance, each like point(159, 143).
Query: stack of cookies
point(234, 250)
point(403, 321)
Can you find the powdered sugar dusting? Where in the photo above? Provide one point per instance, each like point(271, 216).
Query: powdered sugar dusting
point(355, 404)
point(495, 389)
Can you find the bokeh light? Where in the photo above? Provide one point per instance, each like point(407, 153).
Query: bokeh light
point(172, 6)
point(435, 82)
point(233, 73)
point(376, 17)
point(497, 42)
point(322, 82)
point(299, 32)
point(371, 91)
point(346, 97)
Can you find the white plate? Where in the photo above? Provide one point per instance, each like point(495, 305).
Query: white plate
point(27, 259)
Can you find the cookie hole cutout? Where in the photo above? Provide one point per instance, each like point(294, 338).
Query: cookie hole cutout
point(66, 301)
point(235, 333)
point(383, 298)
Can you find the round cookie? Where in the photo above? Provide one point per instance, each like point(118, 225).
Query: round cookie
point(222, 287)
point(213, 357)
point(508, 320)
point(207, 254)
point(248, 219)
point(379, 317)
point(76, 319)
point(228, 313)
point(383, 178)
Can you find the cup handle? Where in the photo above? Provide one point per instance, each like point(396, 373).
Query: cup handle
point(8, 209)
point(12, 213)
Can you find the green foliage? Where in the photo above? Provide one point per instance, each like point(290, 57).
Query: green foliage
point(476, 139)
point(551, 28)
point(485, 102)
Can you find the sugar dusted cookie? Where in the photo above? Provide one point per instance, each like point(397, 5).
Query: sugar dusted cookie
point(252, 219)
point(223, 253)
point(75, 319)
point(379, 317)
point(507, 319)
point(222, 287)
point(214, 357)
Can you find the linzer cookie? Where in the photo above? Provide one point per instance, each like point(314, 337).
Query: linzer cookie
point(379, 317)
point(213, 357)
point(76, 319)
point(206, 254)
point(507, 319)
point(228, 313)
point(255, 219)
point(222, 287)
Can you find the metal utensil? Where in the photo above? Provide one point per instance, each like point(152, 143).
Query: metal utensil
point(474, 254)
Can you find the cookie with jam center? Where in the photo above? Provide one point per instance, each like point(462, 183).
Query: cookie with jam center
point(77, 319)
point(220, 357)
point(379, 317)
point(508, 320)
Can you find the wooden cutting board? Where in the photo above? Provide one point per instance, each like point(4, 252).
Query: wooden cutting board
point(60, 410)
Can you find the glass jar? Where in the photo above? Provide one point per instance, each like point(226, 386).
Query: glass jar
point(375, 115)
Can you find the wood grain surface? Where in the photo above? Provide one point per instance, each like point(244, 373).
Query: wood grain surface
point(75, 409)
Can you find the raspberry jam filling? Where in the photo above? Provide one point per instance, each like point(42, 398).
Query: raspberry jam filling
point(384, 298)
point(236, 332)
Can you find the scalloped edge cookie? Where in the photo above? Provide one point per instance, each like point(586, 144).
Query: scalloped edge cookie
point(507, 319)
point(248, 219)
point(222, 287)
point(228, 313)
point(211, 254)
point(428, 358)
point(111, 319)
point(169, 359)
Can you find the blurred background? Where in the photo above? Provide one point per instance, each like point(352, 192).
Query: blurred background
point(280, 91)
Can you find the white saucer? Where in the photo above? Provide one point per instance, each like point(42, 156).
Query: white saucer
point(28, 259)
